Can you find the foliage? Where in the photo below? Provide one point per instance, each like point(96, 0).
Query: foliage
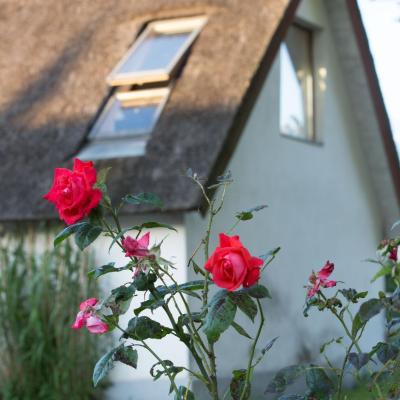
point(198, 327)
point(41, 360)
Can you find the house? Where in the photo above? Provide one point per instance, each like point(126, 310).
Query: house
point(282, 93)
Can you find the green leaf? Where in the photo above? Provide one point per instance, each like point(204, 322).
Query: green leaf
point(240, 330)
point(237, 385)
point(127, 356)
point(86, 235)
point(257, 291)
point(142, 328)
point(352, 295)
point(285, 377)
point(168, 368)
point(221, 312)
point(104, 365)
point(102, 175)
point(269, 345)
point(68, 231)
point(153, 224)
point(359, 360)
point(248, 214)
point(384, 271)
point(120, 299)
point(386, 352)
point(104, 269)
point(318, 382)
point(124, 293)
point(267, 257)
point(150, 304)
point(184, 394)
point(245, 303)
point(144, 281)
point(144, 198)
point(369, 309)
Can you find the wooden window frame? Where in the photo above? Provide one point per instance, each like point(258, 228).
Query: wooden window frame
point(168, 26)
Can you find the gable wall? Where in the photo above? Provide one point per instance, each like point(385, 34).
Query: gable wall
point(321, 206)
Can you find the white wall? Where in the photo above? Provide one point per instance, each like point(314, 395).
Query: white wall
point(321, 207)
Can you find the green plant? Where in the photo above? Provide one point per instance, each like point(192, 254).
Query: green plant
point(41, 360)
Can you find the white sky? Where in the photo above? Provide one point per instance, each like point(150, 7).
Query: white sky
point(382, 22)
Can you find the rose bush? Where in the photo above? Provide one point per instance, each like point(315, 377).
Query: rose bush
point(235, 273)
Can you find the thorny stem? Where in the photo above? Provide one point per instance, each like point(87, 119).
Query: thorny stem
point(354, 340)
point(252, 351)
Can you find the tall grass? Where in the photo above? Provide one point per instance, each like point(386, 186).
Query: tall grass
point(41, 357)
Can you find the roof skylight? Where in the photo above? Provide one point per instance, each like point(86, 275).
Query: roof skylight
point(157, 52)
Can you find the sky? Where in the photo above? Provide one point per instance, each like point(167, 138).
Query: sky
point(382, 22)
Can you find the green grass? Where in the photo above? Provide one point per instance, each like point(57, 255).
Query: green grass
point(42, 358)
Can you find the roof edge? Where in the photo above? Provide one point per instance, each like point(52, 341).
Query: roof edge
point(376, 94)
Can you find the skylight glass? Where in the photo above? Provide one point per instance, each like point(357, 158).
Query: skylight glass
point(156, 52)
point(120, 121)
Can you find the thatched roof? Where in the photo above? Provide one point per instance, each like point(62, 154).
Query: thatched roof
point(54, 57)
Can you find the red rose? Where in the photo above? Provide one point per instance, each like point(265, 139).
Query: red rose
point(232, 265)
point(73, 193)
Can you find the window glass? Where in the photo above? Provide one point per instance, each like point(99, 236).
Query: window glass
point(296, 84)
point(118, 120)
point(156, 51)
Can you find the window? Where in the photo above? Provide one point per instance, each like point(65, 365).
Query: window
point(140, 84)
point(157, 52)
point(296, 84)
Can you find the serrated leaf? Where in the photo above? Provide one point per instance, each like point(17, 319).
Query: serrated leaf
point(144, 198)
point(285, 377)
point(248, 214)
point(104, 269)
point(240, 330)
point(142, 328)
point(358, 360)
point(257, 291)
point(369, 309)
point(386, 352)
point(68, 231)
point(237, 385)
point(318, 382)
point(221, 312)
point(144, 281)
point(184, 394)
point(127, 355)
point(245, 303)
point(150, 304)
point(104, 365)
point(86, 235)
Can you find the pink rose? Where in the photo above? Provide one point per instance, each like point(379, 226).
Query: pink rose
point(320, 279)
point(136, 248)
point(87, 317)
point(232, 265)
